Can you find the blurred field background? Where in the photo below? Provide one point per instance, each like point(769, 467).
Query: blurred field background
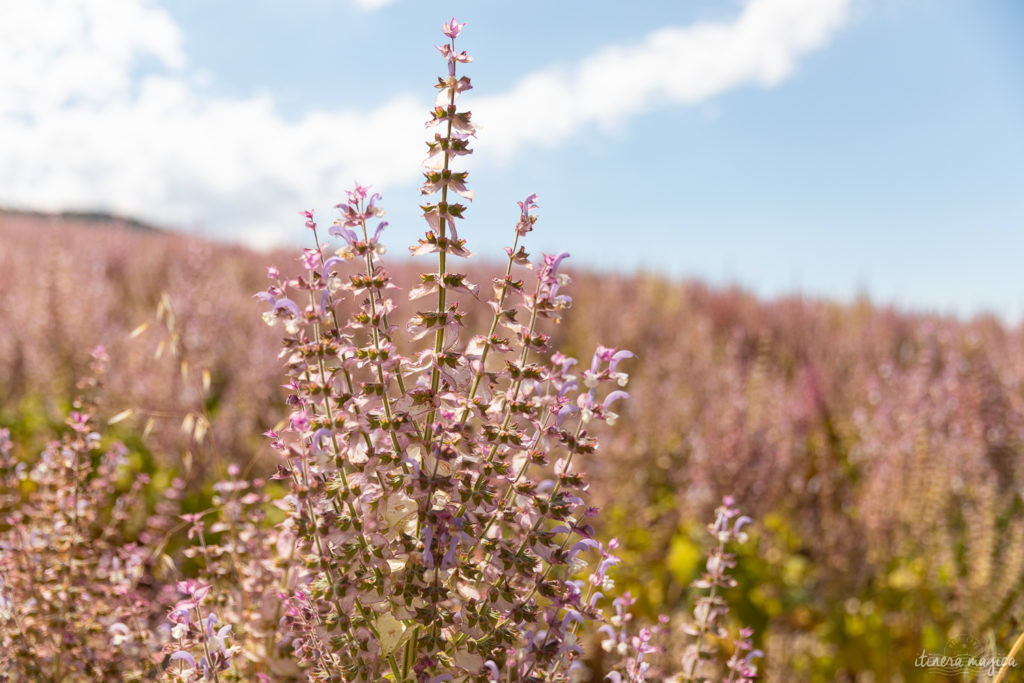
point(879, 450)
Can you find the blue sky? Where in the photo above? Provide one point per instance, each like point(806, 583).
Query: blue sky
point(826, 147)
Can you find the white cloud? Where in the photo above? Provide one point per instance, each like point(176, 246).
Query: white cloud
point(80, 127)
point(57, 52)
point(373, 4)
point(683, 65)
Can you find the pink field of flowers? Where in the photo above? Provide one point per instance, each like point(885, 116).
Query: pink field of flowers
point(217, 464)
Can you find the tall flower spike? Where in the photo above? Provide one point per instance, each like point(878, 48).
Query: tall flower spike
point(441, 522)
point(442, 236)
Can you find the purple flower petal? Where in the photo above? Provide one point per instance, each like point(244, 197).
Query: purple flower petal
point(613, 397)
point(330, 263)
point(289, 305)
point(184, 656)
point(582, 545)
point(619, 355)
point(565, 412)
point(317, 440)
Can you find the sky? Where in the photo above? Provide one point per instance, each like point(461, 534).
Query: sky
point(830, 148)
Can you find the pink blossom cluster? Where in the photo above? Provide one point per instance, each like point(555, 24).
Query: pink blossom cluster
point(436, 492)
point(429, 517)
point(75, 593)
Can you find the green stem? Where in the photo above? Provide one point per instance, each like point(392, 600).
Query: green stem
point(494, 327)
point(439, 338)
point(526, 539)
point(380, 363)
point(442, 223)
point(516, 386)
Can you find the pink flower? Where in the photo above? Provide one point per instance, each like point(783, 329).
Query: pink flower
point(527, 220)
point(358, 194)
point(452, 29)
point(311, 259)
point(300, 422)
point(451, 56)
point(193, 589)
point(352, 215)
point(79, 421)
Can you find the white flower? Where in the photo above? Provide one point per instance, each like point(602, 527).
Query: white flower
point(400, 513)
point(222, 633)
point(119, 633)
point(390, 630)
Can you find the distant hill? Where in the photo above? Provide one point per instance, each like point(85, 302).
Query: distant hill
point(74, 219)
